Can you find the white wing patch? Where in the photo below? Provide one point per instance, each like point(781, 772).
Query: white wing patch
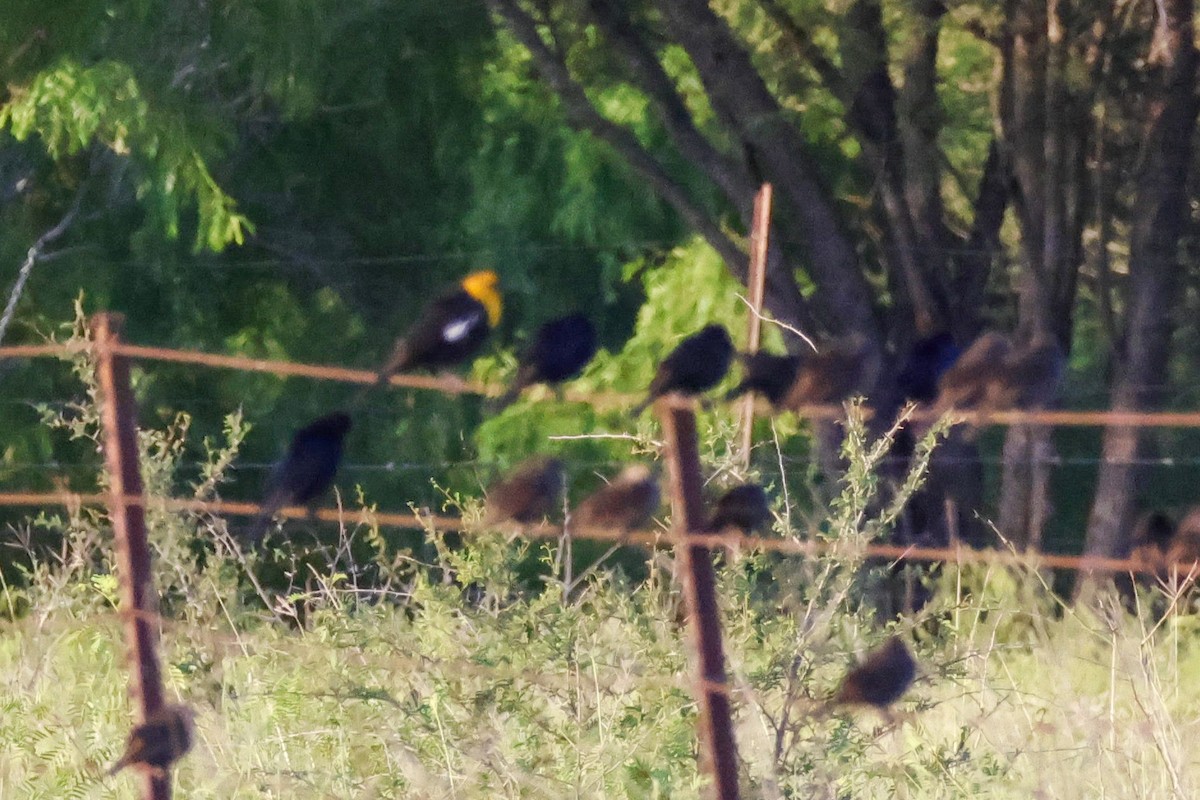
point(457, 329)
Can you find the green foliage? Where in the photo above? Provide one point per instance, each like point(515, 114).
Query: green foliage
point(70, 105)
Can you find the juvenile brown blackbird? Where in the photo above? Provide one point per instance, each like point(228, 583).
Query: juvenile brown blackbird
point(844, 367)
point(1185, 544)
point(1152, 537)
point(306, 470)
point(625, 504)
point(928, 359)
point(560, 350)
point(696, 365)
point(451, 329)
point(158, 742)
point(965, 384)
point(881, 679)
point(767, 374)
point(1029, 376)
point(743, 507)
point(528, 494)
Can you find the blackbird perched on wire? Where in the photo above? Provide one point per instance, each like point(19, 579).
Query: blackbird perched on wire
point(528, 494)
point(306, 470)
point(743, 507)
point(625, 504)
point(767, 374)
point(451, 329)
point(928, 359)
point(881, 679)
point(560, 350)
point(158, 742)
point(696, 365)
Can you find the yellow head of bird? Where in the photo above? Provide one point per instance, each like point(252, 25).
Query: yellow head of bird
point(484, 286)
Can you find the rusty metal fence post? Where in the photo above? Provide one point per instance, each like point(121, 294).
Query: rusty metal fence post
point(717, 746)
point(138, 606)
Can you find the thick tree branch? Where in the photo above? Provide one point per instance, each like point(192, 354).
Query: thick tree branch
point(802, 41)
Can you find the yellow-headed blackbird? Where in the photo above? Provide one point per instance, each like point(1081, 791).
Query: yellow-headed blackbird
point(306, 470)
point(881, 679)
point(527, 495)
point(451, 329)
point(844, 367)
point(560, 350)
point(927, 360)
point(625, 504)
point(158, 742)
point(696, 365)
point(965, 384)
point(767, 374)
point(743, 507)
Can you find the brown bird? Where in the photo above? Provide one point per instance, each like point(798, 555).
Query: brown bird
point(1185, 544)
point(528, 494)
point(1152, 537)
point(843, 368)
point(627, 503)
point(743, 507)
point(160, 741)
point(965, 383)
point(1029, 376)
point(881, 679)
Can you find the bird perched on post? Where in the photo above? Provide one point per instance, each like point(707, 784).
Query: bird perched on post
point(767, 374)
point(451, 329)
point(881, 679)
point(627, 503)
point(743, 507)
point(158, 742)
point(560, 350)
point(696, 365)
point(306, 470)
point(528, 494)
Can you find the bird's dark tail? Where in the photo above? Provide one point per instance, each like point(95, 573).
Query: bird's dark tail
point(642, 406)
point(737, 391)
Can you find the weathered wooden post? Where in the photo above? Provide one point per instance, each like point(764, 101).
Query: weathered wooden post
point(756, 284)
point(128, 514)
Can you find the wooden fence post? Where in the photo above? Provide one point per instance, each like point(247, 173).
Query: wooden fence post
point(717, 746)
point(138, 604)
point(756, 284)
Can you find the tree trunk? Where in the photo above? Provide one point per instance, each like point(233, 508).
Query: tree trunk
point(1159, 214)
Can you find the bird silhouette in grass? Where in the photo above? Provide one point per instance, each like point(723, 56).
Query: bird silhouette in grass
point(306, 470)
point(451, 329)
point(696, 365)
point(160, 741)
point(625, 504)
point(881, 679)
point(743, 507)
point(560, 350)
point(528, 494)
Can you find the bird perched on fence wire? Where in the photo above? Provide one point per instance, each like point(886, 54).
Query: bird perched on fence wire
point(767, 374)
point(528, 494)
point(965, 383)
point(560, 350)
point(928, 359)
point(841, 368)
point(625, 504)
point(306, 470)
point(1183, 555)
point(1150, 545)
point(451, 329)
point(880, 679)
point(160, 741)
point(744, 507)
point(696, 365)
point(1029, 376)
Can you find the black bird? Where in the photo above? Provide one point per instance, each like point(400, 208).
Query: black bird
point(451, 329)
point(306, 471)
point(696, 365)
point(743, 507)
point(1152, 538)
point(628, 502)
point(560, 350)
point(881, 679)
point(928, 359)
point(158, 742)
point(528, 494)
point(767, 374)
